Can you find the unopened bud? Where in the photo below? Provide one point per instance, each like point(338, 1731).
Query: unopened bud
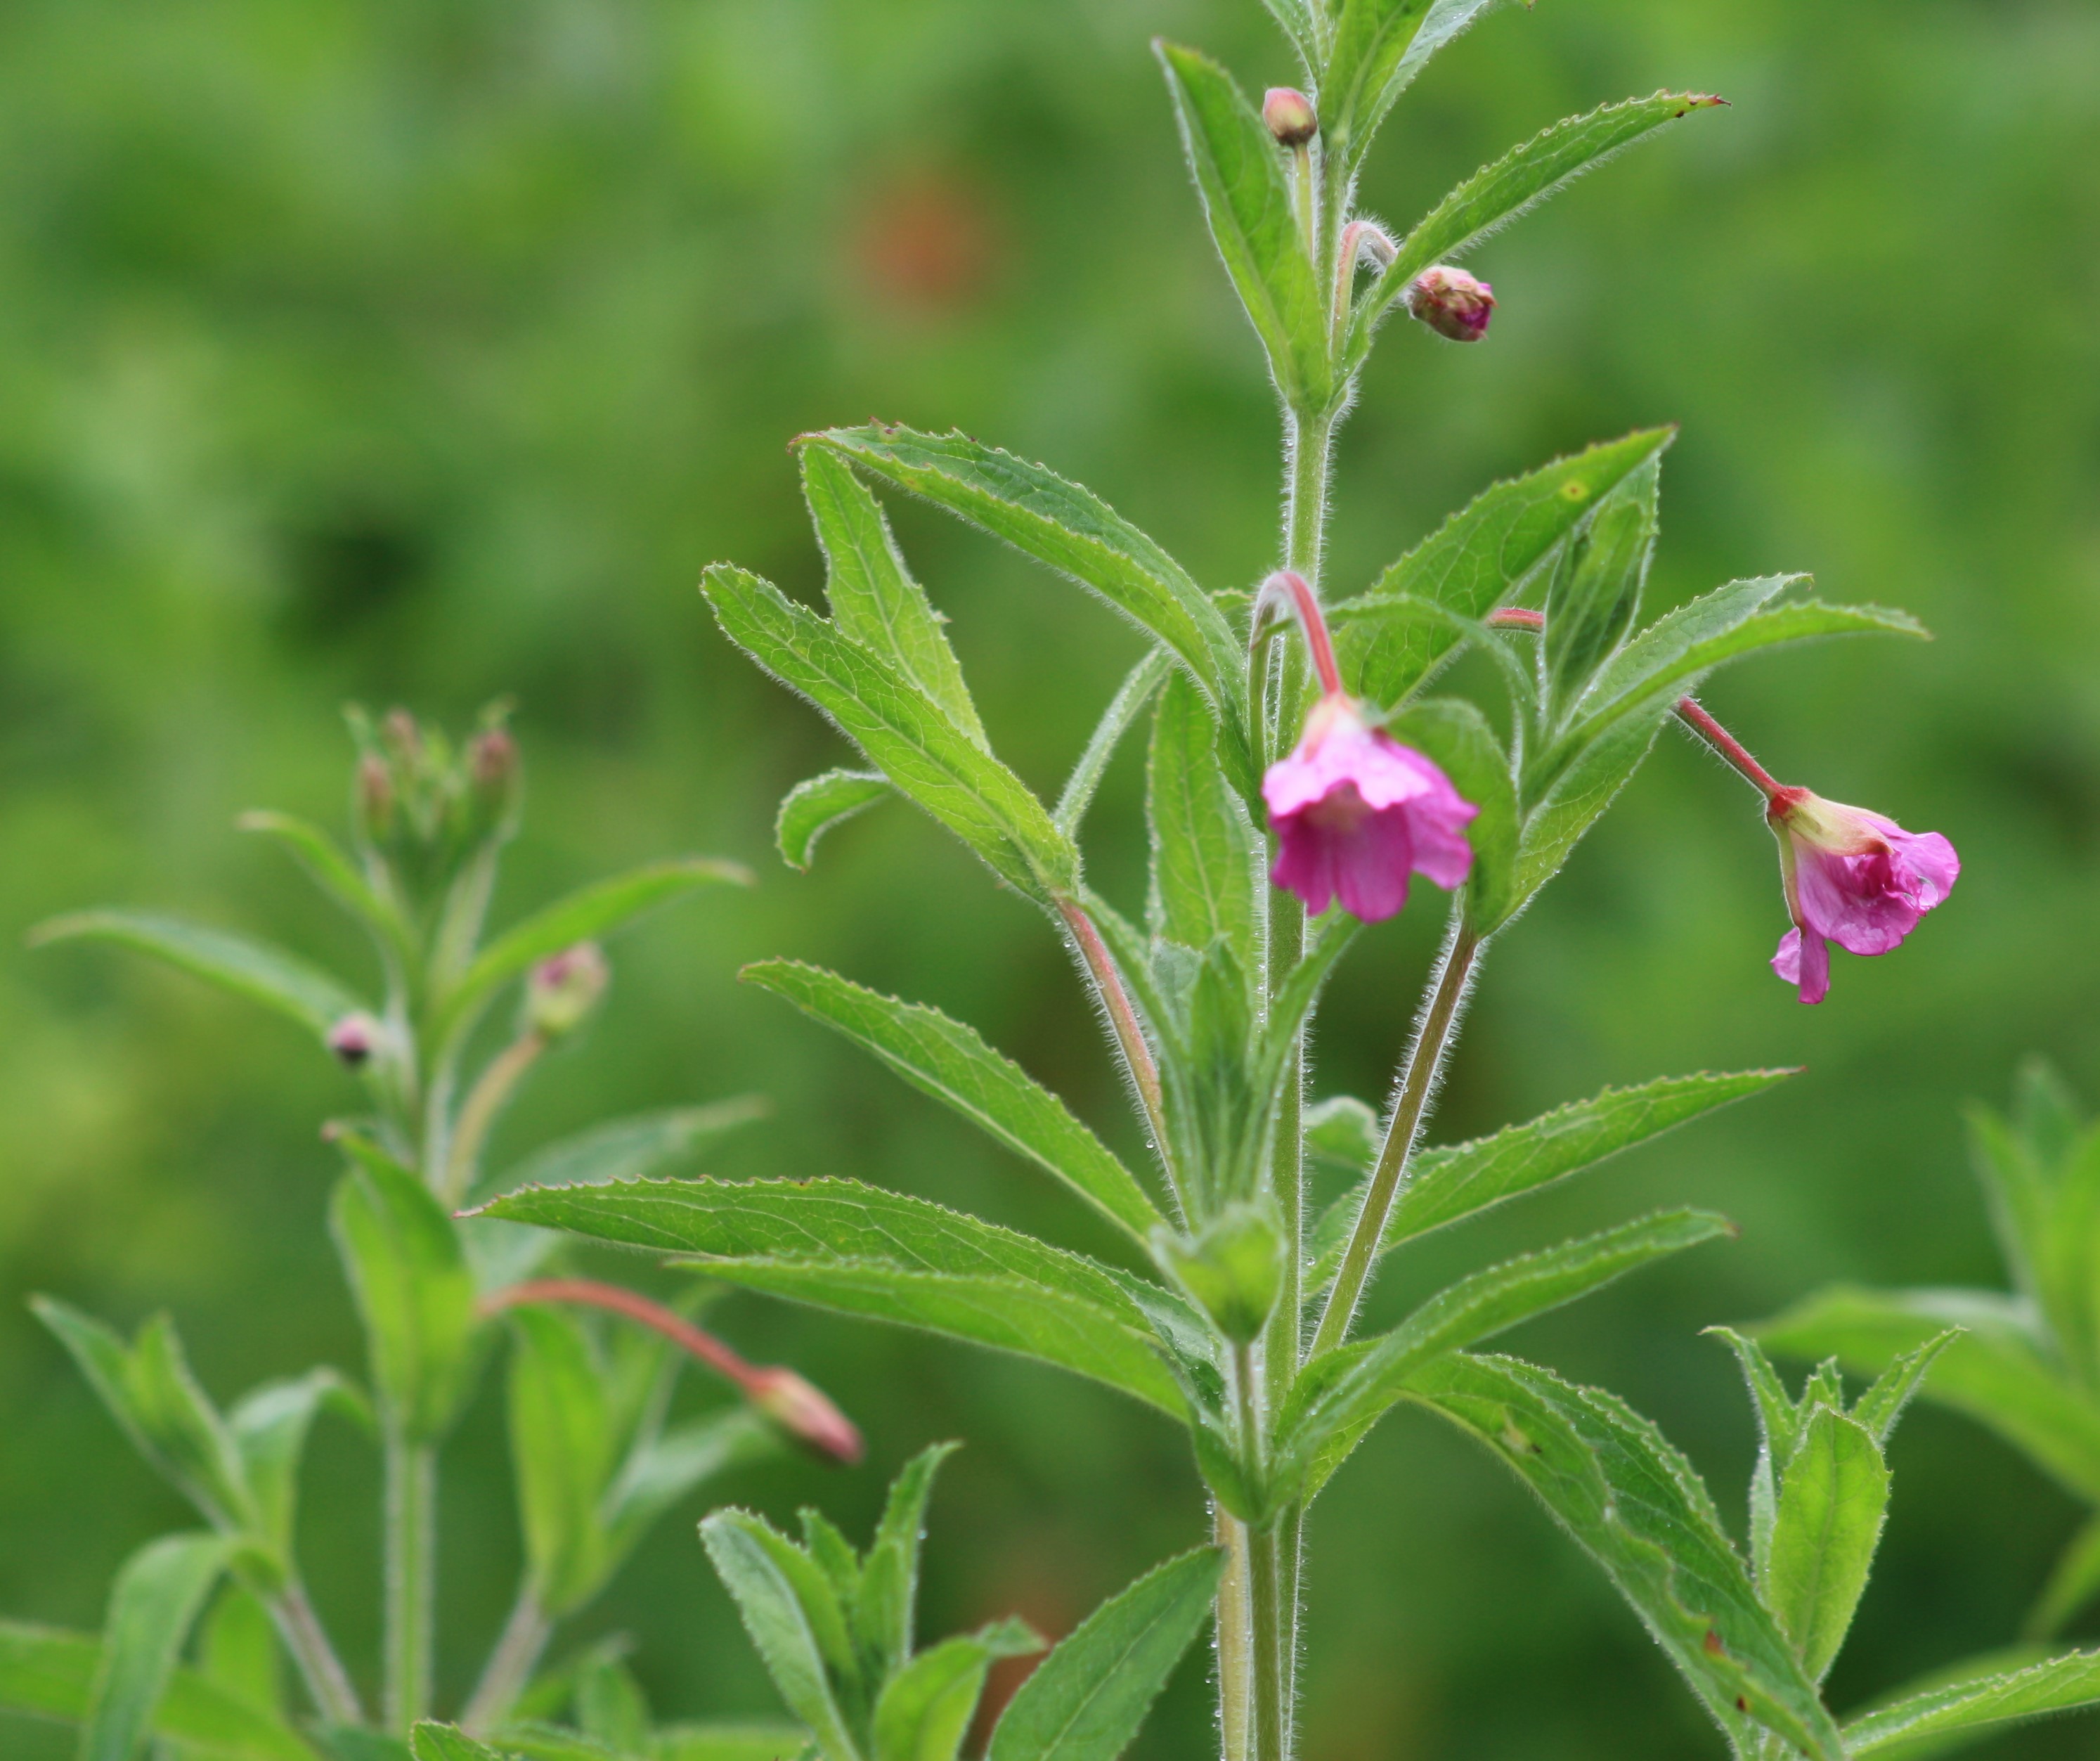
point(561, 992)
point(354, 1039)
point(491, 766)
point(1452, 303)
point(1289, 116)
point(402, 736)
point(375, 798)
point(1234, 1268)
point(805, 1413)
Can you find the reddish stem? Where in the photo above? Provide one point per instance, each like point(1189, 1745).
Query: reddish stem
point(779, 1392)
point(1515, 617)
point(1730, 748)
point(1306, 603)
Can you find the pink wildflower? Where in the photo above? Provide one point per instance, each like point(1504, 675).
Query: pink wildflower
point(1452, 303)
point(1852, 877)
point(1354, 811)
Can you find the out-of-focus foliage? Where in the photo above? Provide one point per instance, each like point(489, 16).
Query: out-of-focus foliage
point(428, 352)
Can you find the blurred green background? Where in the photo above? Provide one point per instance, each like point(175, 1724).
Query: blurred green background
point(423, 352)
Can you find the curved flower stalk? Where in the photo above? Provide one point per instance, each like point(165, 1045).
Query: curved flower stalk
point(598, 1455)
point(1326, 764)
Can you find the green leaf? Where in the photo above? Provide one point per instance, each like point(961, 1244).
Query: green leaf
point(890, 1579)
point(813, 807)
point(730, 1742)
point(1479, 559)
point(1243, 178)
point(1520, 179)
point(630, 1148)
point(610, 1706)
point(1778, 1431)
point(1455, 1181)
point(352, 1742)
point(1071, 531)
point(1087, 1699)
point(1594, 597)
point(585, 915)
point(269, 1427)
point(902, 731)
point(793, 1618)
point(840, 1245)
point(253, 969)
point(48, 1673)
point(948, 1060)
point(874, 600)
point(1883, 1403)
point(237, 1651)
point(1363, 74)
point(1343, 1131)
point(413, 1290)
point(1578, 795)
point(1123, 712)
point(1834, 1494)
point(562, 1449)
point(925, 1709)
point(335, 873)
point(1456, 736)
point(1996, 1372)
point(661, 1470)
point(432, 1741)
point(1634, 1504)
point(1203, 845)
point(1333, 1405)
point(157, 1596)
point(2063, 1683)
point(1301, 24)
point(148, 1388)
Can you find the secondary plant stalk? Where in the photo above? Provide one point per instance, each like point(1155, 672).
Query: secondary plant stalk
point(1425, 1063)
point(412, 1487)
point(509, 1666)
point(334, 1696)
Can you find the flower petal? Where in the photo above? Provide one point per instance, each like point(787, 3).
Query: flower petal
point(1804, 962)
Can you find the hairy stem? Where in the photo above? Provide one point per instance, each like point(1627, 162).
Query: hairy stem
point(1235, 1641)
point(412, 1488)
point(1732, 750)
point(334, 1696)
point(1123, 1023)
point(1425, 1063)
point(510, 1664)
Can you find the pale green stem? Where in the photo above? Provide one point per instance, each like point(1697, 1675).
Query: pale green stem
point(510, 1664)
point(411, 1486)
point(1425, 1063)
point(1235, 1641)
point(498, 1081)
point(326, 1681)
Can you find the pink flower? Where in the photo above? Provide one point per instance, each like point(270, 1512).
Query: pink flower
point(1356, 813)
point(1452, 303)
point(1852, 877)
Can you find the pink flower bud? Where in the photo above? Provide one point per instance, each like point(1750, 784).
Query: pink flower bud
point(1289, 116)
point(1356, 813)
point(1852, 877)
point(354, 1039)
point(804, 1412)
point(1452, 303)
point(563, 990)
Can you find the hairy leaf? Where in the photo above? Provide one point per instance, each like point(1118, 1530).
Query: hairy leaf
point(1072, 531)
point(1456, 736)
point(47, 1673)
point(813, 807)
point(1117, 720)
point(875, 601)
point(794, 1619)
point(1634, 1505)
point(1086, 1700)
point(236, 963)
point(562, 1445)
point(1594, 597)
point(1996, 1372)
point(1203, 846)
point(1363, 76)
point(269, 1428)
point(633, 1147)
point(925, 1708)
point(2058, 1685)
point(1243, 178)
point(1479, 559)
point(905, 734)
point(432, 1741)
point(1834, 1494)
point(1454, 1181)
point(158, 1595)
point(414, 1292)
point(889, 1577)
point(1497, 194)
point(1331, 1407)
point(948, 1060)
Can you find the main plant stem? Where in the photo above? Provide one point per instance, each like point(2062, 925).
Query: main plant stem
point(1425, 1063)
point(412, 1487)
